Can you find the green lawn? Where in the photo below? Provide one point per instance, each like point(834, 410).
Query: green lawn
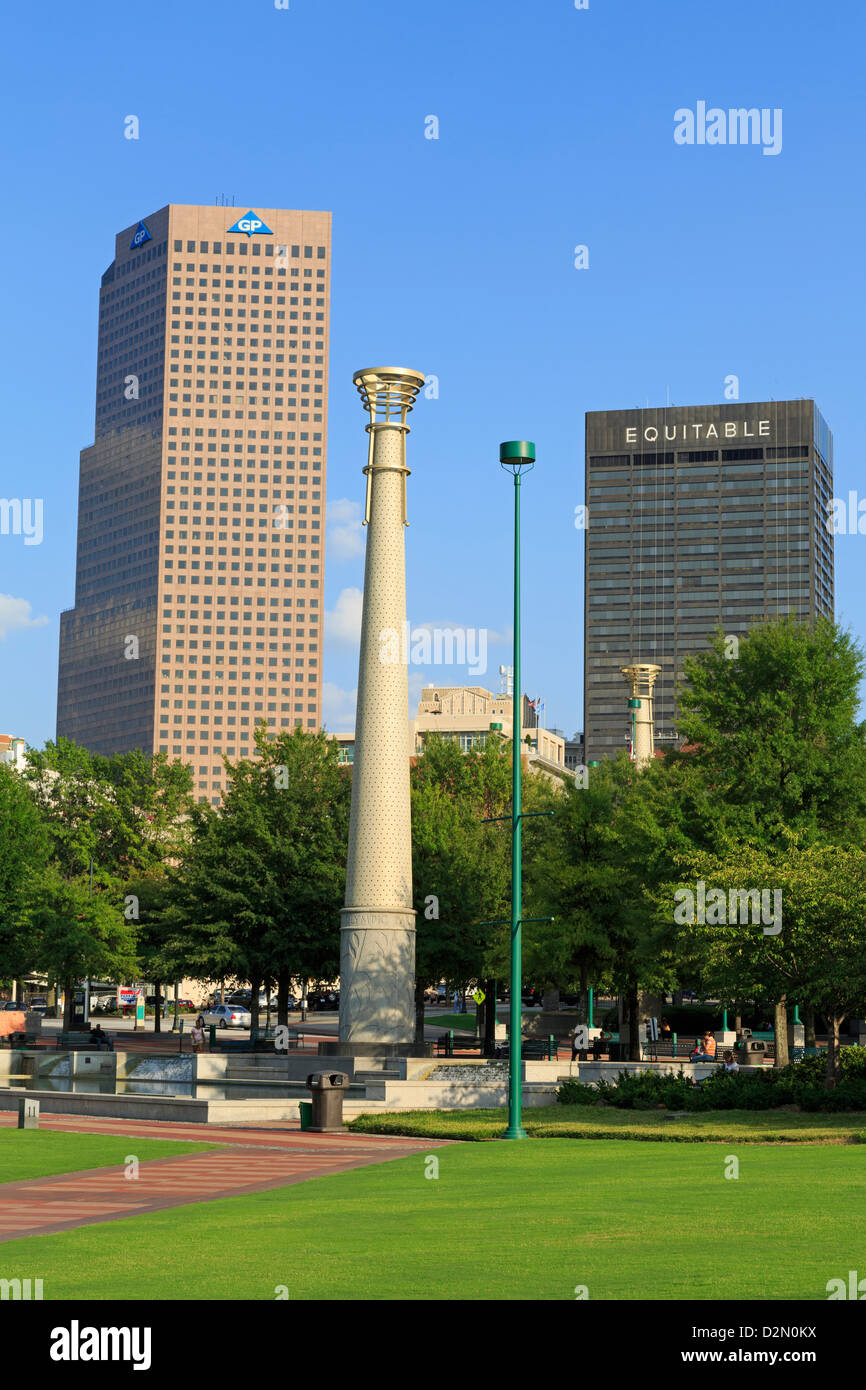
point(582, 1122)
point(501, 1221)
point(461, 1023)
point(40, 1153)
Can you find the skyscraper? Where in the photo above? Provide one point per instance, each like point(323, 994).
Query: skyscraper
point(699, 516)
point(200, 558)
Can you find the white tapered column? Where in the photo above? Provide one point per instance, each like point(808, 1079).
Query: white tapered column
point(377, 954)
point(641, 678)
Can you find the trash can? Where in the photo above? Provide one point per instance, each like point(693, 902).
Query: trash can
point(327, 1089)
point(754, 1050)
point(305, 1109)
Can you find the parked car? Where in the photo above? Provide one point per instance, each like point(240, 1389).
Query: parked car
point(243, 999)
point(326, 1000)
point(228, 1016)
point(13, 1006)
point(38, 1003)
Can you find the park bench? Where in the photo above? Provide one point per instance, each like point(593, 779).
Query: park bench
point(678, 1049)
point(447, 1045)
point(539, 1049)
point(78, 1042)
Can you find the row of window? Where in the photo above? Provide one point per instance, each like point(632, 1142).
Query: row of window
point(243, 248)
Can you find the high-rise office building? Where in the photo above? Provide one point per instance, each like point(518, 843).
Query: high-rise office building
point(699, 516)
point(200, 560)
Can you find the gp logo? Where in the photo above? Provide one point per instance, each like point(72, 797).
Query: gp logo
point(141, 236)
point(250, 224)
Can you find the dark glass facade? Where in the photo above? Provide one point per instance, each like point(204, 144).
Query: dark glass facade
point(699, 517)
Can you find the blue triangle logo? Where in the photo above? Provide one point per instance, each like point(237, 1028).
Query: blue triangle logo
point(141, 236)
point(250, 224)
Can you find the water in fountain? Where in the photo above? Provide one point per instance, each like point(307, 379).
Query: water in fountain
point(162, 1069)
point(491, 1073)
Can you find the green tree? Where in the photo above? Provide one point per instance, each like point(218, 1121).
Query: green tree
point(146, 904)
point(125, 812)
point(596, 871)
point(775, 729)
point(77, 934)
point(461, 867)
point(775, 735)
point(24, 853)
point(810, 944)
point(259, 891)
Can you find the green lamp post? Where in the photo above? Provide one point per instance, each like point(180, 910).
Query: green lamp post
point(517, 456)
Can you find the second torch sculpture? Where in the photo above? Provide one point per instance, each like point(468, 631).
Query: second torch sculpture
point(377, 950)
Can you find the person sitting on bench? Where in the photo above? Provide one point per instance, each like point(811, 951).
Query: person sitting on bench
point(100, 1038)
point(708, 1054)
point(602, 1042)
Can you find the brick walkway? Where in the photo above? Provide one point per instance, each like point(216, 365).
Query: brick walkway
point(251, 1160)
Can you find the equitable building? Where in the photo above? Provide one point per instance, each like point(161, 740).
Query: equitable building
point(698, 517)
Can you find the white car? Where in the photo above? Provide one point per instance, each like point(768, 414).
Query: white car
point(228, 1016)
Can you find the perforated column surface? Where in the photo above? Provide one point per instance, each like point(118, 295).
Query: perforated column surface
point(377, 957)
point(643, 731)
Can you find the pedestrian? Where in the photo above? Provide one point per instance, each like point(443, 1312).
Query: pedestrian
point(197, 1034)
point(707, 1051)
point(100, 1038)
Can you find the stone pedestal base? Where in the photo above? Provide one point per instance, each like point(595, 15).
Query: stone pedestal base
point(377, 976)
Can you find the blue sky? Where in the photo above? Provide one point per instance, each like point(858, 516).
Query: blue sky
point(454, 256)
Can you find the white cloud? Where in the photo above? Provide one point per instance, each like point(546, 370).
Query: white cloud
point(343, 623)
point(493, 638)
point(343, 530)
point(338, 708)
point(15, 615)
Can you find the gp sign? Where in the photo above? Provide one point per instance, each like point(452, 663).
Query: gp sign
point(141, 236)
point(250, 224)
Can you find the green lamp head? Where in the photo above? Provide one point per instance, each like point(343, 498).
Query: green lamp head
point(518, 455)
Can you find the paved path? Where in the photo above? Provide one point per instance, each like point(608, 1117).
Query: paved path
point(251, 1160)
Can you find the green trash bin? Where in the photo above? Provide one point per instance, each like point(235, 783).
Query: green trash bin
point(306, 1109)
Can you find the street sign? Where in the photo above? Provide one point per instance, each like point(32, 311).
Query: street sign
point(479, 996)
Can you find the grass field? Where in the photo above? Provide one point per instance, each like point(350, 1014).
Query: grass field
point(524, 1221)
point(580, 1122)
point(461, 1023)
point(40, 1153)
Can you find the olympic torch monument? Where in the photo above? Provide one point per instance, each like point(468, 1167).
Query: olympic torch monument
point(377, 946)
point(641, 678)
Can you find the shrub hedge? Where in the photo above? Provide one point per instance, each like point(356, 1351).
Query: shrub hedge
point(801, 1084)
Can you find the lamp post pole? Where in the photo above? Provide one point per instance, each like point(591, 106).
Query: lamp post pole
point(519, 457)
